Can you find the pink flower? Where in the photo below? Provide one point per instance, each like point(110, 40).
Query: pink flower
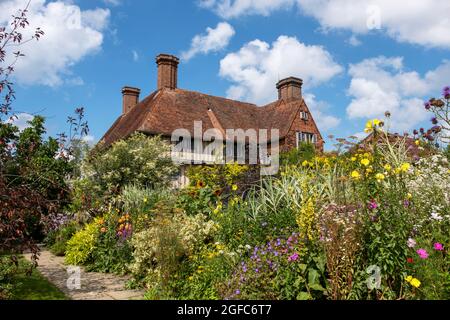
point(294, 257)
point(411, 243)
point(438, 246)
point(423, 254)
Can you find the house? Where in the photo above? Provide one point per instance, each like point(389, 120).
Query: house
point(170, 109)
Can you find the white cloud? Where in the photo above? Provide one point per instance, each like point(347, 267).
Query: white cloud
point(21, 120)
point(324, 122)
point(135, 56)
point(214, 40)
point(232, 9)
point(257, 66)
point(70, 35)
point(381, 84)
point(113, 3)
point(354, 41)
point(77, 81)
point(424, 22)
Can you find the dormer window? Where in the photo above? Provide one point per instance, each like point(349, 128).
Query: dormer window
point(304, 115)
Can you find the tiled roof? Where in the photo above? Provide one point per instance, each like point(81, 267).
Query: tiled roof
point(167, 110)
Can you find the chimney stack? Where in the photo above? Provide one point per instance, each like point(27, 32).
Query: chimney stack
point(290, 88)
point(167, 71)
point(130, 98)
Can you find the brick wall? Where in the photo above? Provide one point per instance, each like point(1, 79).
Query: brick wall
point(300, 125)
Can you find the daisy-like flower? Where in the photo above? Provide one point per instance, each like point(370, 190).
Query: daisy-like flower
point(423, 254)
point(355, 175)
point(438, 246)
point(365, 162)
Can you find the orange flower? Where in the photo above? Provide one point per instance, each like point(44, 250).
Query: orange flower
point(103, 230)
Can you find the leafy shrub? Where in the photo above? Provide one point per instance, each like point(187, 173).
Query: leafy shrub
point(304, 152)
point(139, 202)
point(112, 251)
point(62, 236)
point(279, 269)
point(82, 244)
point(172, 237)
point(8, 268)
point(139, 160)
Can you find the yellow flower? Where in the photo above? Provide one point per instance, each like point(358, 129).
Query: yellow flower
point(365, 162)
point(145, 200)
point(355, 175)
point(369, 125)
point(380, 177)
point(353, 159)
point(409, 279)
point(409, 196)
point(387, 167)
point(405, 167)
point(376, 122)
point(305, 163)
point(417, 142)
point(234, 187)
point(415, 283)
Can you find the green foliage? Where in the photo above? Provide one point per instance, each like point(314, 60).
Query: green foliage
point(33, 285)
point(161, 249)
point(219, 177)
point(81, 246)
point(36, 161)
point(304, 152)
point(112, 251)
point(279, 269)
point(8, 269)
point(139, 160)
point(139, 202)
point(61, 237)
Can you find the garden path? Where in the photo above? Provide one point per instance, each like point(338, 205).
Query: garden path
point(93, 285)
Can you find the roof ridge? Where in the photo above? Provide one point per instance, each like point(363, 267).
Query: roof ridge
point(218, 97)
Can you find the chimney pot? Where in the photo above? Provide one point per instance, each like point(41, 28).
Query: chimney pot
point(290, 88)
point(167, 71)
point(130, 98)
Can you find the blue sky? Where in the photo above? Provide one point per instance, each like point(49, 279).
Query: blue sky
point(357, 60)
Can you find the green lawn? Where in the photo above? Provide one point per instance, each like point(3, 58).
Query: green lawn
point(34, 287)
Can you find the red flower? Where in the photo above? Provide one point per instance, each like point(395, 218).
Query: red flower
point(410, 260)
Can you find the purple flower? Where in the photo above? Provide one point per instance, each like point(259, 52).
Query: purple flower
point(415, 132)
point(423, 254)
point(238, 292)
point(372, 205)
point(293, 258)
point(434, 120)
point(427, 105)
point(406, 203)
point(438, 246)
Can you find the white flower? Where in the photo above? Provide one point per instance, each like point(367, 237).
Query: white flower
point(436, 216)
point(411, 243)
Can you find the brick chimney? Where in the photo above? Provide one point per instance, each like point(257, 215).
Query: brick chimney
point(130, 98)
point(290, 88)
point(167, 71)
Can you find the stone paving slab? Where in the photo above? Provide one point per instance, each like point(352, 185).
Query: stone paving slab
point(94, 285)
